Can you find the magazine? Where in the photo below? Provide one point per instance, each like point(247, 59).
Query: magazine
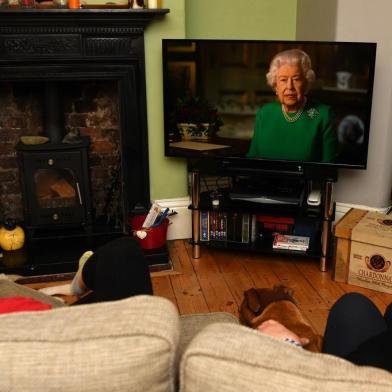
point(292, 242)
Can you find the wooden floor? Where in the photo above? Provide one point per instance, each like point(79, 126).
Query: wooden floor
point(217, 280)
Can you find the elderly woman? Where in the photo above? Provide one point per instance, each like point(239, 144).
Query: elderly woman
point(293, 127)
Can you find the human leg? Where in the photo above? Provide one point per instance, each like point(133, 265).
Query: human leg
point(353, 319)
point(388, 316)
point(116, 270)
point(78, 286)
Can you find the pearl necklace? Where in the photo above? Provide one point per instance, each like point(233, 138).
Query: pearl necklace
point(297, 115)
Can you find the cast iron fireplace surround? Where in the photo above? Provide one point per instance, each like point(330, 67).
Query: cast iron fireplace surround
point(88, 44)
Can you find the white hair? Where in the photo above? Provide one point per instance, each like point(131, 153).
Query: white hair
point(291, 56)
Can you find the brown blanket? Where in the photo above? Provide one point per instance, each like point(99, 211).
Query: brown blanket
point(264, 304)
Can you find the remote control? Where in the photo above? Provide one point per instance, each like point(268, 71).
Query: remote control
point(314, 198)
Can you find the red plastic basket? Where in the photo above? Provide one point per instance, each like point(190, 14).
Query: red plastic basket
point(156, 236)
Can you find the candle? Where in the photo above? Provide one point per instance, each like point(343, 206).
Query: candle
point(73, 4)
point(27, 3)
point(153, 4)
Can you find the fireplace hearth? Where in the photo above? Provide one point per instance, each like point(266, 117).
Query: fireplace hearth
point(58, 181)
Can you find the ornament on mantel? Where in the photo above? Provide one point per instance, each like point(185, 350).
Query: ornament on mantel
point(137, 4)
point(154, 3)
point(12, 236)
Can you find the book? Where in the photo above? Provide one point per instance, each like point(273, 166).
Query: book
point(217, 226)
point(254, 229)
point(234, 227)
point(292, 242)
point(222, 226)
point(237, 227)
point(152, 215)
point(212, 225)
point(225, 226)
point(204, 226)
point(245, 228)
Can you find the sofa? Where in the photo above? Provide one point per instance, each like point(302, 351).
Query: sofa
point(142, 344)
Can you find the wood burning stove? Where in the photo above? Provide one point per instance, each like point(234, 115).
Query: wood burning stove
point(55, 175)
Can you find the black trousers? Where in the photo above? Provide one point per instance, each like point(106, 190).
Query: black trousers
point(357, 331)
point(115, 271)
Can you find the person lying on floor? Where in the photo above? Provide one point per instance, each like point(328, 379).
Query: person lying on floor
point(356, 330)
point(116, 270)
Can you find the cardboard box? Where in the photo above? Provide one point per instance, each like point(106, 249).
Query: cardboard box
point(363, 250)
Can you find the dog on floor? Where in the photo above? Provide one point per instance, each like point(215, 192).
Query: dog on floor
point(278, 304)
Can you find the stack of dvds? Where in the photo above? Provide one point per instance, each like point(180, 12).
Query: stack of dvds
point(291, 242)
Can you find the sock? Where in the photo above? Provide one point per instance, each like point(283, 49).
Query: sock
point(76, 289)
point(64, 289)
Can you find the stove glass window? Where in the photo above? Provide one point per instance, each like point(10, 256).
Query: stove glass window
point(56, 188)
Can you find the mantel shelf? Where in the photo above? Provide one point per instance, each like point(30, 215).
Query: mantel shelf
point(42, 11)
point(54, 16)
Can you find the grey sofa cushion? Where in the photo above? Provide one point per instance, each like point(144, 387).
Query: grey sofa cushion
point(232, 358)
point(192, 324)
point(127, 345)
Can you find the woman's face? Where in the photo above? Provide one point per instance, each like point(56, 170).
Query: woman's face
point(290, 86)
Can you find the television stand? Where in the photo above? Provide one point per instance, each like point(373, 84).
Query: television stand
point(255, 204)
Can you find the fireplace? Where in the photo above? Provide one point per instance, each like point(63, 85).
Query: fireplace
point(62, 48)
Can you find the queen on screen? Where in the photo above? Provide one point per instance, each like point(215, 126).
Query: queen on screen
point(293, 127)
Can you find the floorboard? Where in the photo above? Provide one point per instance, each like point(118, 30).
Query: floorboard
point(188, 294)
point(217, 280)
point(213, 285)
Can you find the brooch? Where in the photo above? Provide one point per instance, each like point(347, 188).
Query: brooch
point(312, 113)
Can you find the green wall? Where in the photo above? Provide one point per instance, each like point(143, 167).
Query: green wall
point(233, 19)
point(241, 19)
point(167, 175)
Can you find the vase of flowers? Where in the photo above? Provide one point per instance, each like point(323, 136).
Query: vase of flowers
point(196, 118)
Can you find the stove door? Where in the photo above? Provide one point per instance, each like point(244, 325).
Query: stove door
point(54, 188)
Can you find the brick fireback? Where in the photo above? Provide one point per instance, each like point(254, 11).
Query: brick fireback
point(91, 107)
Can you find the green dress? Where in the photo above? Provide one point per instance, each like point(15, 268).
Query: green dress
point(312, 138)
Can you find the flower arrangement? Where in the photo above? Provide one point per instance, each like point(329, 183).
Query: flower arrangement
point(196, 116)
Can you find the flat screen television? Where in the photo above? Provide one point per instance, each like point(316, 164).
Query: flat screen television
point(215, 92)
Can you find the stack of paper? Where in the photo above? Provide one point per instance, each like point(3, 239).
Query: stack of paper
point(155, 216)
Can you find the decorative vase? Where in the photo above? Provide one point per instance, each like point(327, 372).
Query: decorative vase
point(190, 131)
point(137, 4)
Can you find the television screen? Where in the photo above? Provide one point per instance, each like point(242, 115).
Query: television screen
point(272, 101)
